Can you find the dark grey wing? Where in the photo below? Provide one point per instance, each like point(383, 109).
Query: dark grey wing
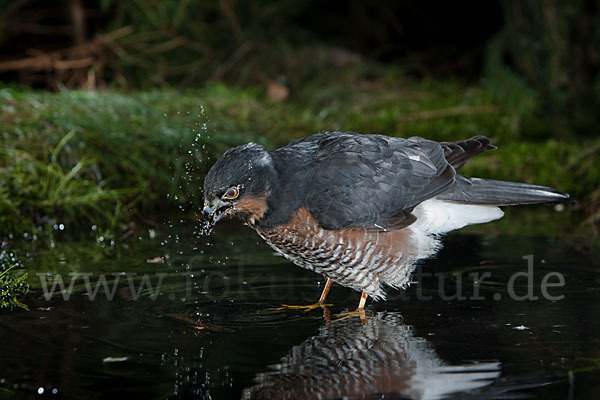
point(374, 181)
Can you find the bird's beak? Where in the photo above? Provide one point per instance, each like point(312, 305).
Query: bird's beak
point(212, 215)
point(208, 212)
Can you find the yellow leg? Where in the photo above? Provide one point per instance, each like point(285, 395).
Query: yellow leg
point(325, 291)
point(320, 303)
point(359, 312)
point(363, 300)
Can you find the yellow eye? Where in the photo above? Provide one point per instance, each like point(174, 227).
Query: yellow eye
point(231, 193)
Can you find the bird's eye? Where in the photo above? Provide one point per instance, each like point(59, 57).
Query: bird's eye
point(231, 193)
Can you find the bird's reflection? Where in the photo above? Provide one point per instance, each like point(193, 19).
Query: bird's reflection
point(349, 359)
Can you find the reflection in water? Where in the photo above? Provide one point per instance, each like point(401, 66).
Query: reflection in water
point(349, 360)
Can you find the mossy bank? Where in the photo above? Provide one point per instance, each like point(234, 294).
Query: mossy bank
point(79, 160)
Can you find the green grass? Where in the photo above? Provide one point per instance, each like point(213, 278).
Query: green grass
point(85, 158)
point(102, 158)
point(12, 288)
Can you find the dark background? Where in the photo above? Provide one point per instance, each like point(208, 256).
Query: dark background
point(547, 47)
point(428, 36)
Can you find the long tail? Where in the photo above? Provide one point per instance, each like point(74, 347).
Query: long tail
point(499, 193)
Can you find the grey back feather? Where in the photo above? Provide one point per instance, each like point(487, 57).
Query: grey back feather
point(374, 181)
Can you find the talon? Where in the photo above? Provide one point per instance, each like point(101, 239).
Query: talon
point(360, 312)
point(306, 308)
point(310, 307)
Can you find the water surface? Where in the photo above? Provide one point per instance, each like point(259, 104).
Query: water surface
point(208, 327)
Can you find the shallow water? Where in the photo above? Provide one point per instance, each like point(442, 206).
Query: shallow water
point(208, 327)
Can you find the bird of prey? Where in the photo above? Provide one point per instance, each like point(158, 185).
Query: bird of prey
point(382, 360)
point(360, 210)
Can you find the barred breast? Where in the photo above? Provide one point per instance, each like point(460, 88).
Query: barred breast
point(355, 257)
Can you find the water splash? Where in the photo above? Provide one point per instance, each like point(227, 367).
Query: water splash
point(189, 198)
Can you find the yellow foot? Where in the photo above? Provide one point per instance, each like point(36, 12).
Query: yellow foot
point(350, 314)
point(307, 308)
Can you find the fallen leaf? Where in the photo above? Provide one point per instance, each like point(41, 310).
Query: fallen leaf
point(277, 92)
point(114, 359)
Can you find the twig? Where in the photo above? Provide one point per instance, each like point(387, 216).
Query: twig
point(231, 61)
point(74, 64)
point(231, 16)
point(166, 46)
point(118, 33)
point(76, 57)
point(78, 15)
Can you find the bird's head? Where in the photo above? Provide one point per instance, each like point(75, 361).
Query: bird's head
point(238, 184)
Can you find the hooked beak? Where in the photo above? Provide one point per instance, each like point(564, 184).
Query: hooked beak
point(211, 216)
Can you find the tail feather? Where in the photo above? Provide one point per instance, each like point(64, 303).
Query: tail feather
point(458, 153)
point(499, 193)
